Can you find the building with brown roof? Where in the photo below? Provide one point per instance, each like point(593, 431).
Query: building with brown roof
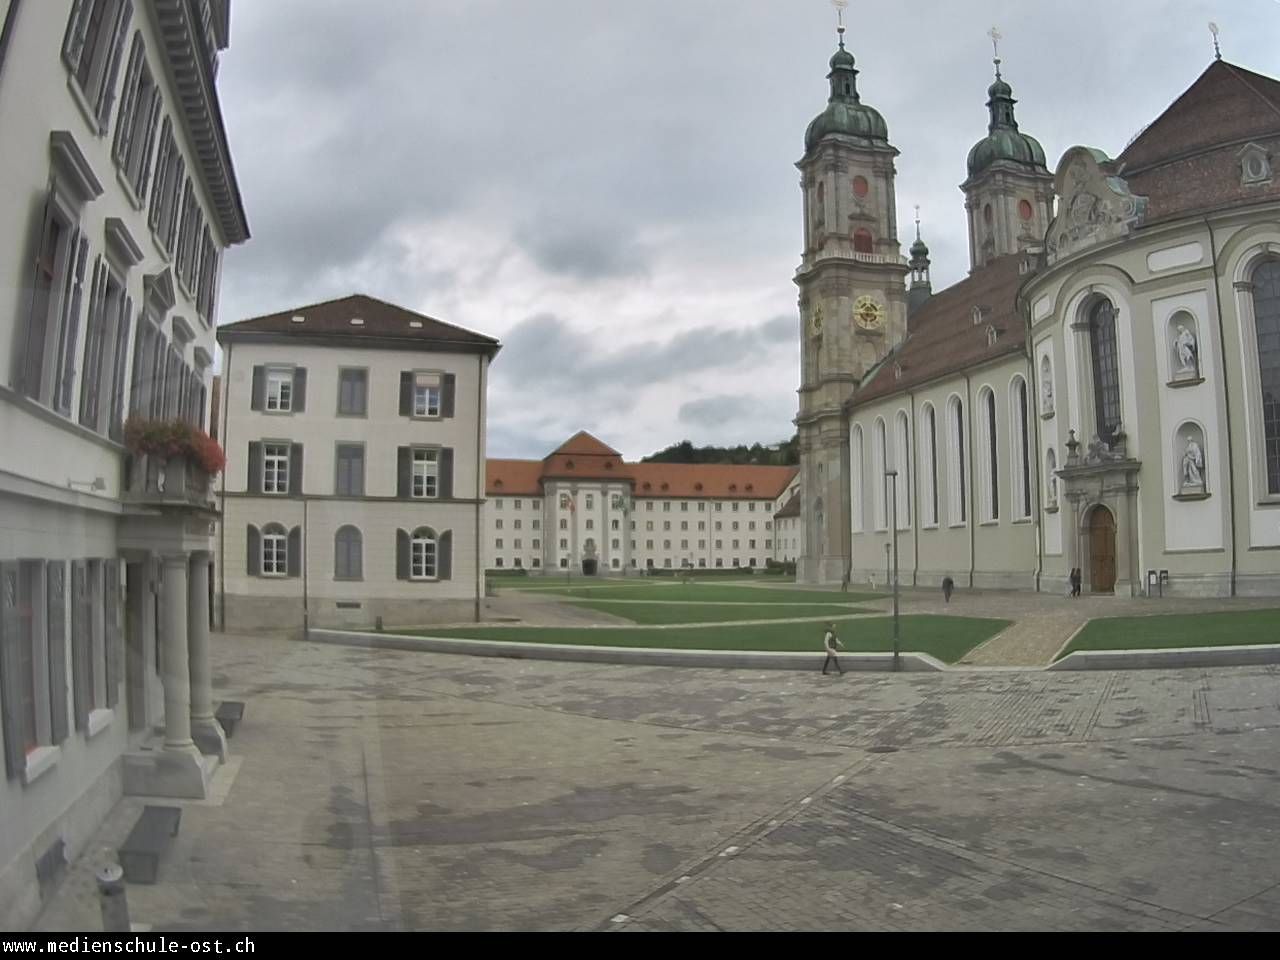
point(354, 434)
point(584, 508)
point(1102, 391)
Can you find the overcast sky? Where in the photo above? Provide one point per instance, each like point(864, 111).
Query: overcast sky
point(610, 188)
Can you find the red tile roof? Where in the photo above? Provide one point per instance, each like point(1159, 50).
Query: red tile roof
point(943, 337)
point(589, 459)
point(1188, 160)
point(584, 444)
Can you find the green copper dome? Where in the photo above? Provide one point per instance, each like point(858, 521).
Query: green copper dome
point(919, 250)
point(846, 114)
point(1003, 140)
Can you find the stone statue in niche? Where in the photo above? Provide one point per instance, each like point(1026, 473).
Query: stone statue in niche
point(1053, 490)
point(1192, 467)
point(1187, 353)
point(1046, 395)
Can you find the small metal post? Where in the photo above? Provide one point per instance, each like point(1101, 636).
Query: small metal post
point(113, 899)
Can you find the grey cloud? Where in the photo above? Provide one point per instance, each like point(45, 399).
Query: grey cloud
point(713, 411)
point(585, 251)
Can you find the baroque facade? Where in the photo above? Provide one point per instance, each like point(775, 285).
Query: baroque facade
point(1102, 391)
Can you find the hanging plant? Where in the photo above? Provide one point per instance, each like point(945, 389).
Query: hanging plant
point(174, 438)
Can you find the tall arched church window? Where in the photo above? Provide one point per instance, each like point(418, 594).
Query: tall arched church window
point(855, 481)
point(991, 461)
point(902, 463)
point(1266, 317)
point(879, 463)
point(929, 469)
point(1105, 356)
point(1021, 449)
point(958, 488)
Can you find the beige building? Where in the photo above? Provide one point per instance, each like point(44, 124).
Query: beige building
point(119, 198)
point(1101, 392)
point(355, 434)
point(584, 509)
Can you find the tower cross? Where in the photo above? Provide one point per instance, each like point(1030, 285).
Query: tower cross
point(996, 36)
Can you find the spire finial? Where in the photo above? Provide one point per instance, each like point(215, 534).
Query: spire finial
point(1217, 50)
point(917, 221)
point(996, 37)
point(840, 7)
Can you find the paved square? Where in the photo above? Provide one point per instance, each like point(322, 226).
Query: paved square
point(394, 790)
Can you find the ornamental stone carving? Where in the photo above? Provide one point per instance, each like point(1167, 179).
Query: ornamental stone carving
point(1094, 205)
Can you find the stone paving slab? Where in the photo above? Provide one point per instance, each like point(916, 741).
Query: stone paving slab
point(382, 789)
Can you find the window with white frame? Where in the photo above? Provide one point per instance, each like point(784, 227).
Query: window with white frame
point(929, 466)
point(275, 551)
point(279, 398)
point(275, 468)
point(426, 395)
point(880, 463)
point(989, 465)
point(422, 554)
point(425, 473)
point(1021, 443)
point(958, 481)
point(591, 501)
point(497, 524)
point(902, 463)
point(856, 470)
point(138, 120)
point(92, 49)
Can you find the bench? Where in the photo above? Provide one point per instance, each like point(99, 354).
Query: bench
point(150, 837)
point(230, 712)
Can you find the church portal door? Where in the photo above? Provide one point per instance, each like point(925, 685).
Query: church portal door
point(1102, 550)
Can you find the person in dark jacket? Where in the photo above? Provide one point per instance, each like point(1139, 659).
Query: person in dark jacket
point(948, 585)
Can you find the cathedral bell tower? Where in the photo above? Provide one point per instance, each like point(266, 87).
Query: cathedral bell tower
point(853, 302)
point(1009, 191)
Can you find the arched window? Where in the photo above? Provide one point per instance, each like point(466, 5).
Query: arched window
point(1266, 317)
point(275, 551)
point(820, 210)
point(1106, 369)
point(1021, 443)
point(990, 463)
point(422, 554)
point(862, 240)
point(879, 463)
point(902, 463)
point(1046, 385)
point(958, 486)
point(856, 505)
point(348, 550)
point(929, 466)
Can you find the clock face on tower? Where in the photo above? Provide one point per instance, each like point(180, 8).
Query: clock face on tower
point(868, 313)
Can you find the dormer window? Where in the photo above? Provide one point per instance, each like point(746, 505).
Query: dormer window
point(992, 336)
point(1255, 166)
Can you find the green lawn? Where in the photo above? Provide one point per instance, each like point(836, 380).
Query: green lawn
point(1180, 630)
point(656, 613)
point(947, 638)
point(699, 593)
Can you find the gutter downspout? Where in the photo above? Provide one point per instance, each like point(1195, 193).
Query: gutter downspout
point(6, 33)
point(914, 447)
point(968, 442)
point(222, 520)
point(480, 477)
point(1034, 472)
point(846, 535)
point(1226, 400)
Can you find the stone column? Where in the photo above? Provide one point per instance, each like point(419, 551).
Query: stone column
point(177, 671)
point(205, 730)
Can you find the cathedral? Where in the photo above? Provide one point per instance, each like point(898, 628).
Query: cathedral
point(1101, 392)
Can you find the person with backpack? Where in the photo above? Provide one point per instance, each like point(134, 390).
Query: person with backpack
point(831, 643)
point(947, 586)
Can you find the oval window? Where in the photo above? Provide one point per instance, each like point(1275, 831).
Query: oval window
point(1024, 210)
point(860, 186)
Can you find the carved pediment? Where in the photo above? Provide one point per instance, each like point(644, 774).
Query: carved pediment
point(1094, 205)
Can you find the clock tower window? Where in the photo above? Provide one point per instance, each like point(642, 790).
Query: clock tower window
point(862, 242)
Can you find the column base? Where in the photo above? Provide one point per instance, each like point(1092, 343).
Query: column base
point(181, 773)
point(209, 738)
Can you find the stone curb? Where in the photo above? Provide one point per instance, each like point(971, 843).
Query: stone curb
point(1235, 656)
point(644, 656)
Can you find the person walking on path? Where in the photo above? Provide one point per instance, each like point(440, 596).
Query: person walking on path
point(1076, 578)
point(831, 643)
point(947, 586)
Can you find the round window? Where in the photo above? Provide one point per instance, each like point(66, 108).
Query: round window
point(860, 186)
point(1024, 209)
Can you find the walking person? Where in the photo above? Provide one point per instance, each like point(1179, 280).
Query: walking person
point(831, 643)
point(947, 586)
point(1076, 578)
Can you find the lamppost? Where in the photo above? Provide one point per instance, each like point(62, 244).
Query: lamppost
point(892, 477)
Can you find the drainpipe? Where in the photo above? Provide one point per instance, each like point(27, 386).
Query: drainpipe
point(480, 479)
point(968, 442)
point(1226, 400)
point(306, 547)
point(222, 520)
point(915, 495)
point(1034, 469)
point(6, 32)
point(846, 535)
